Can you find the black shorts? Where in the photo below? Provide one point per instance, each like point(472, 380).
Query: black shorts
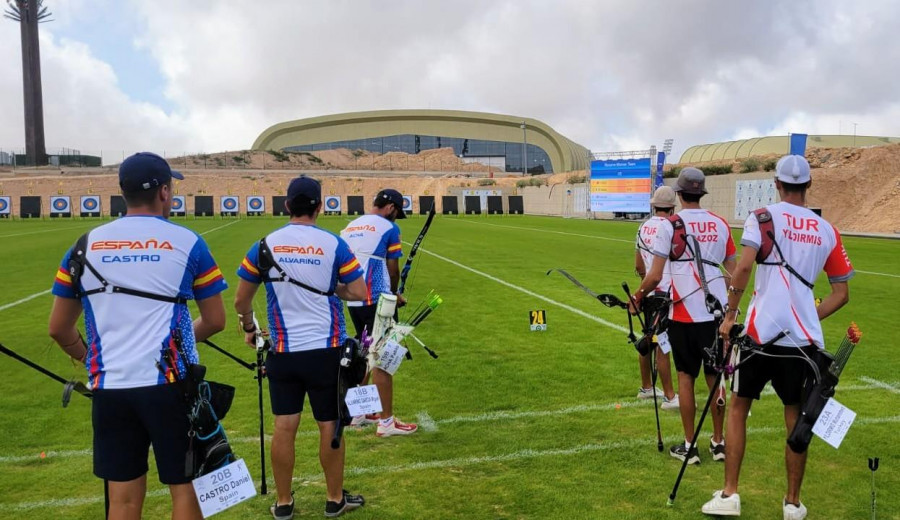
point(689, 343)
point(128, 421)
point(362, 317)
point(293, 375)
point(787, 374)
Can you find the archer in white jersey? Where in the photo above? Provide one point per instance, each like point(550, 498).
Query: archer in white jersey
point(307, 272)
point(782, 300)
point(153, 255)
point(791, 246)
point(132, 279)
point(646, 237)
point(374, 240)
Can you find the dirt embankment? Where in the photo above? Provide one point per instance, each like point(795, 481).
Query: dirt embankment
point(857, 188)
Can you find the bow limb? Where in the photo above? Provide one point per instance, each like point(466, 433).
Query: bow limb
point(575, 281)
point(404, 273)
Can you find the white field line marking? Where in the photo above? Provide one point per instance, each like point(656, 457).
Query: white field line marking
point(35, 295)
point(597, 237)
point(426, 422)
point(531, 454)
point(220, 227)
point(46, 231)
point(23, 300)
point(526, 291)
point(880, 384)
point(429, 424)
point(436, 464)
point(879, 274)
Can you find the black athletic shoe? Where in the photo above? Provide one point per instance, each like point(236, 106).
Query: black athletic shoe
point(284, 512)
point(348, 503)
point(680, 452)
point(717, 450)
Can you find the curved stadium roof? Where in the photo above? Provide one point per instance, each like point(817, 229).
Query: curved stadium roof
point(775, 145)
point(565, 154)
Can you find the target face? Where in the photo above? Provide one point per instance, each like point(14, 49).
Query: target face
point(4, 205)
point(177, 203)
point(255, 204)
point(407, 203)
point(60, 204)
point(229, 204)
point(333, 203)
point(90, 204)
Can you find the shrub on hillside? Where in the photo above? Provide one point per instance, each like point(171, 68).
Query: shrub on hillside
point(672, 173)
point(769, 165)
point(487, 182)
point(577, 178)
point(533, 181)
point(751, 164)
point(715, 169)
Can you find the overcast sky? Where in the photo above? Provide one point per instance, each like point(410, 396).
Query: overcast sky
point(211, 75)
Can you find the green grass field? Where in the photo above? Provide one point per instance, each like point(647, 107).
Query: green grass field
point(514, 423)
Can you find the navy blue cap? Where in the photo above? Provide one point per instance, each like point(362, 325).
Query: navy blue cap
point(145, 170)
point(305, 187)
point(395, 197)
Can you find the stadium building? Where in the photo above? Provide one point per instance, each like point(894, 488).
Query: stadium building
point(778, 144)
point(492, 139)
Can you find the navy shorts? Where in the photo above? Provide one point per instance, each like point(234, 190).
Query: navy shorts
point(689, 341)
point(293, 375)
point(128, 421)
point(787, 374)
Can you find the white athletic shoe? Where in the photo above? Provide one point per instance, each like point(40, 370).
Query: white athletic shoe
point(671, 404)
point(647, 393)
point(361, 421)
point(719, 506)
point(396, 428)
point(792, 512)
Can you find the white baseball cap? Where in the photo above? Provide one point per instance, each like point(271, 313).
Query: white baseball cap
point(793, 169)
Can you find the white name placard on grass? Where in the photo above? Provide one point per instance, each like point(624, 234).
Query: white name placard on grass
point(362, 400)
point(224, 488)
point(834, 422)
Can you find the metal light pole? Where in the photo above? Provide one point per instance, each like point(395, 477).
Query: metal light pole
point(524, 150)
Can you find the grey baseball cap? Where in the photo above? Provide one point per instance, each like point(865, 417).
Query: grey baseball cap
point(691, 180)
point(793, 169)
point(663, 197)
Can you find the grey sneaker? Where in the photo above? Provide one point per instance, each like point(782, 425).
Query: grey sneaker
point(670, 404)
point(647, 393)
point(680, 452)
point(283, 512)
point(348, 503)
point(717, 450)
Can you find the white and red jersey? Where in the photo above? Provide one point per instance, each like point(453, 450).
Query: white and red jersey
point(780, 300)
point(713, 236)
point(645, 238)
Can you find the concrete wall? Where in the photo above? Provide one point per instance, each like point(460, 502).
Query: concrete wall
point(542, 200)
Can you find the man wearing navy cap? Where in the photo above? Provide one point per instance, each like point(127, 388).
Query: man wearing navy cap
point(375, 239)
point(308, 272)
point(152, 267)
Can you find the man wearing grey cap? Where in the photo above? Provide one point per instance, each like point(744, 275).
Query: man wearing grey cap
point(663, 204)
point(697, 244)
point(792, 245)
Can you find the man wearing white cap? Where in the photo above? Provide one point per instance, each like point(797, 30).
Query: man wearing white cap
point(792, 245)
point(663, 204)
point(696, 244)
